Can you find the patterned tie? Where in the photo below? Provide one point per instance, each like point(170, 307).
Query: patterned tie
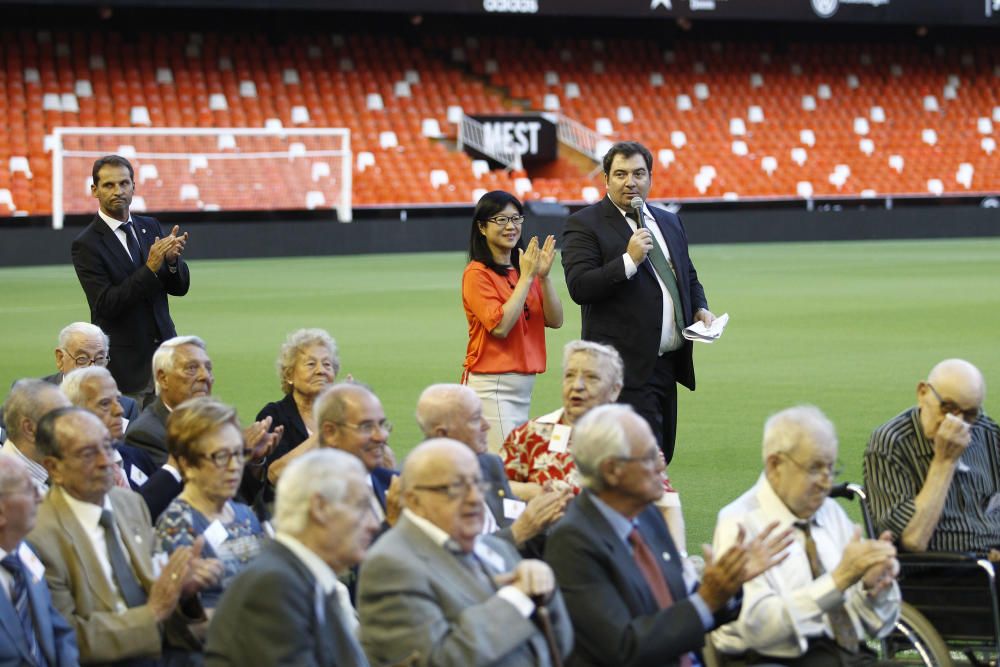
point(653, 575)
point(121, 566)
point(133, 243)
point(843, 629)
point(662, 267)
point(19, 599)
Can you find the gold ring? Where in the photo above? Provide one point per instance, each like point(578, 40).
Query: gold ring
point(173, 577)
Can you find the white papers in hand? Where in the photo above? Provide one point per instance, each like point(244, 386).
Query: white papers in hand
point(702, 334)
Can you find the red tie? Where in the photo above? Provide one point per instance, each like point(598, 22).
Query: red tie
point(653, 575)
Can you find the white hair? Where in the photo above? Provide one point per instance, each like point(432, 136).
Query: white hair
point(82, 329)
point(74, 381)
point(437, 405)
point(599, 351)
point(326, 472)
point(599, 435)
point(163, 358)
point(785, 430)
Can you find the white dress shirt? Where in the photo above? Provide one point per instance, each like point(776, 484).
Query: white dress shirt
point(89, 516)
point(785, 607)
point(669, 338)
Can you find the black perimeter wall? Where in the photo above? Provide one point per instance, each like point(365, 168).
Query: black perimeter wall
point(237, 240)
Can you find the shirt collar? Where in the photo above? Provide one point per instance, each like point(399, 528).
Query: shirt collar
point(111, 222)
point(437, 536)
point(37, 471)
point(620, 524)
point(776, 510)
point(88, 514)
point(645, 210)
point(325, 577)
point(551, 418)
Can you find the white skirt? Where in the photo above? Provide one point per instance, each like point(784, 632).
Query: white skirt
point(506, 401)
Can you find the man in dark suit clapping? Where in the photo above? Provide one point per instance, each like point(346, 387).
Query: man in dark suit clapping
point(127, 266)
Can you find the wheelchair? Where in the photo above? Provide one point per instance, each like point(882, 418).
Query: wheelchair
point(951, 604)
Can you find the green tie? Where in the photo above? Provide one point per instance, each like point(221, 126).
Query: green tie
point(662, 267)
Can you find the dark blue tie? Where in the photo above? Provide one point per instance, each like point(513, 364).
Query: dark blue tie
point(133, 243)
point(19, 599)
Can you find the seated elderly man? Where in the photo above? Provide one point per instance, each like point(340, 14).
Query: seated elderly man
point(833, 588)
point(287, 607)
point(181, 370)
point(615, 563)
point(455, 411)
point(28, 401)
point(81, 345)
point(435, 591)
point(95, 390)
point(933, 472)
point(96, 541)
point(32, 632)
point(537, 453)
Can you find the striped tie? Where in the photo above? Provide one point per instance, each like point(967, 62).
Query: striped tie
point(19, 598)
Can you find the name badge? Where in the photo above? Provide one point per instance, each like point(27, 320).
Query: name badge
point(513, 508)
point(137, 476)
point(559, 441)
point(31, 562)
point(216, 534)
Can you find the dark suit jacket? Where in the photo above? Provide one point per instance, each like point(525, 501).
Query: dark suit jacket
point(129, 406)
point(616, 619)
point(128, 303)
point(160, 486)
point(55, 638)
point(268, 617)
point(259, 493)
point(149, 432)
point(627, 314)
point(492, 469)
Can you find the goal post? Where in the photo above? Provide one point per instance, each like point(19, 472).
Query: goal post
point(209, 169)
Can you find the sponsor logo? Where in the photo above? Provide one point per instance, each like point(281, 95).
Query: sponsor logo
point(511, 6)
point(827, 8)
point(520, 137)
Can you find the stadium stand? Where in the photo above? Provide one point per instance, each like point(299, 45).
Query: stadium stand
point(726, 119)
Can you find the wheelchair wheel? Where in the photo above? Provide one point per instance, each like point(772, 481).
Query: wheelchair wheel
point(914, 641)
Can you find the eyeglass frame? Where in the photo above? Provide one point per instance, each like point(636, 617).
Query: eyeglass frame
point(516, 220)
point(652, 457)
point(833, 471)
point(228, 455)
point(101, 361)
point(457, 489)
point(367, 428)
point(952, 408)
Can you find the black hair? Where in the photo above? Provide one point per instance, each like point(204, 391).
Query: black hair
point(489, 205)
point(115, 160)
point(627, 149)
point(45, 431)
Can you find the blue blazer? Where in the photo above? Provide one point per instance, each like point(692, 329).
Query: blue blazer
point(55, 637)
point(160, 487)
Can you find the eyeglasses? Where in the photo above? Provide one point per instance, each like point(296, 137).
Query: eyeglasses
point(457, 489)
point(818, 470)
point(367, 429)
point(502, 221)
point(968, 416)
point(652, 456)
point(222, 457)
point(82, 360)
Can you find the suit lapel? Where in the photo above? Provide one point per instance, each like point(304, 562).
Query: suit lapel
point(90, 566)
point(495, 496)
point(614, 218)
point(444, 565)
point(11, 626)
point(132, 538)
point(113, 245)
point(39, 614)
point(667, 556)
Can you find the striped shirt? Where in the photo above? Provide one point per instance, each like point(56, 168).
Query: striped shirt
point(897, 459)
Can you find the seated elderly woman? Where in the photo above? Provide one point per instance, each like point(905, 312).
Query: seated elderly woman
point(205, 438)
point(537, 454)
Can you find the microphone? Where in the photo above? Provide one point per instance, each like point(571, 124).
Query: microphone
point(636, 205)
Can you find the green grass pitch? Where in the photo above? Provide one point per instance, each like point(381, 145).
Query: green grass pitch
point(850, 327)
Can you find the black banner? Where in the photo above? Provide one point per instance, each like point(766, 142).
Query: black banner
point(531, 137)
point(930, 12)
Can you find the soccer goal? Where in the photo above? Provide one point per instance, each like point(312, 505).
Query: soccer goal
point(208, 169)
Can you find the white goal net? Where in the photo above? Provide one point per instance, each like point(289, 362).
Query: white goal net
point(202, 169)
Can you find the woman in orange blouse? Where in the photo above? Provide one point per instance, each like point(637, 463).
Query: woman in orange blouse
point(509, 300)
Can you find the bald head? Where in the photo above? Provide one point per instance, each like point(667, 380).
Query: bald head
point(453, 411)
point(962, 377)
point(441, 483)
point(954, 386)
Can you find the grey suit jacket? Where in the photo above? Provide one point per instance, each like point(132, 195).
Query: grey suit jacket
point(55, 638)
point(268, 617)
point(81, 593)
point(416, 599)
point(149, 431)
